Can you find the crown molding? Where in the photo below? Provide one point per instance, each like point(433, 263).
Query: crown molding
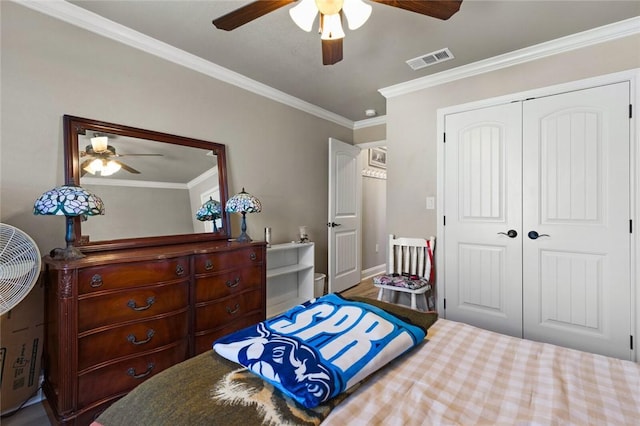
point(370, 122)
point(97, 24)
point(602, 34)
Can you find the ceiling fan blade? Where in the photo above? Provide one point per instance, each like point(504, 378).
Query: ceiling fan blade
point(331, 51)
point(128, 168)
point(248, 13)
point(83, 165)
point(441, 9)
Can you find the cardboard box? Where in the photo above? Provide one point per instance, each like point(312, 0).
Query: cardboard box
point(21, 341)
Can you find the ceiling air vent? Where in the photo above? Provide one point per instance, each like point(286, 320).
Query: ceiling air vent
point(430, 59)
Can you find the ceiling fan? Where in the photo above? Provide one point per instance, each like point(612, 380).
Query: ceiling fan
point(101, 158)
point(331, 13)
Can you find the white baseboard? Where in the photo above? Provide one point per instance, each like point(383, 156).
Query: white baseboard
point(372, 272)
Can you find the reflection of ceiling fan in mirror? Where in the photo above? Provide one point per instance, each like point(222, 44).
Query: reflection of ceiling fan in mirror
point(332, 13)
point(101, 158)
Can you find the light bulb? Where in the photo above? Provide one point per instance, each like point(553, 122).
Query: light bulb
point(329, 7)
point(331, 27)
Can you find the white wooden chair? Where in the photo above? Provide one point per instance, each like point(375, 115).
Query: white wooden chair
point(409, 270)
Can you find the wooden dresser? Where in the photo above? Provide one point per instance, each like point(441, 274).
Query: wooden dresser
point(116, 318)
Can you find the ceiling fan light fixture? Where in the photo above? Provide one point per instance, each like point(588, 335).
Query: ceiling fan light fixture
point(99, 143)
point(329, 7)
point(331, 27)
point(357, 13)
point(110, 168)
point(94, 166)
point(304, 13)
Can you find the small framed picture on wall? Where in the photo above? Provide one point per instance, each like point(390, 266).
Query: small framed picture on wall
point(378, 157)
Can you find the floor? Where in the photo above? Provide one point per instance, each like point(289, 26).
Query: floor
point(32, 415)
point(35, 415)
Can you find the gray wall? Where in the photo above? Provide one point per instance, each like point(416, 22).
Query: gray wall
point(50, 68)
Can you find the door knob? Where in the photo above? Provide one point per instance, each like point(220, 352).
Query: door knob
point(534, 235)
point(511, 233)
point(333, 224)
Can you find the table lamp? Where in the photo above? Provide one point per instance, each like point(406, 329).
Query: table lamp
point(70, 201)
point(243, 203)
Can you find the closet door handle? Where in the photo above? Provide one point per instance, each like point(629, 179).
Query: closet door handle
point(333, 224)
point(511, 233)
point(534, 235)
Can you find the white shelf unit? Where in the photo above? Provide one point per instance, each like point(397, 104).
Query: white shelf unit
point(290, 269)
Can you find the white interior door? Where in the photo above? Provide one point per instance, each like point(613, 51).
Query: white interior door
point(483, 209)
point(344, 219)
point(576, 189)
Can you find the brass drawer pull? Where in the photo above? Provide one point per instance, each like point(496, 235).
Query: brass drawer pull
point(132, 371)
point(209, 265)
point(234, 310)
point(253, 256)
point(234, 283)
point(150, 301)
point(131, 338)
point(96, 281)
point(179, 270)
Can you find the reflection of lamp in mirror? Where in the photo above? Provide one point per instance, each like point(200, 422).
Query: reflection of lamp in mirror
point(70, 201)
point(102, 167)
point(210, 210)
point(243, 203)
point(99, 143)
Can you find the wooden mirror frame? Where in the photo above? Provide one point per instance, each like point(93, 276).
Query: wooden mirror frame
point(74, 126)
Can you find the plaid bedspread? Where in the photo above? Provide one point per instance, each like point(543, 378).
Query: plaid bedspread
point(468, 376)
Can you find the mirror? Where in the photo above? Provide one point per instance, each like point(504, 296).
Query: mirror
point(152, 185)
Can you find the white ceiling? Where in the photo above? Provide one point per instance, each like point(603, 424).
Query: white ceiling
point(274, 51)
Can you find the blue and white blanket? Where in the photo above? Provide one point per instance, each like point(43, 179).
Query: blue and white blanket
point(321, 348)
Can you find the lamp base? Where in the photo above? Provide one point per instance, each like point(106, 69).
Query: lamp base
point(69, 253)
point(244, 238)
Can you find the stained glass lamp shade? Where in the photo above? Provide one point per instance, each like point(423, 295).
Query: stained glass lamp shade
point(210, 210)
point(69, 201)
point(243, 203)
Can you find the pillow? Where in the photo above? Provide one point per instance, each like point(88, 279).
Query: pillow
point(321, 348)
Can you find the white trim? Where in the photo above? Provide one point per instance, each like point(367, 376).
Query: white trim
point(372, 272)
point(370, 122)
point(633, 76)
point(372, 144)
point(95, 23)
point(564, 44)
point(133, 183)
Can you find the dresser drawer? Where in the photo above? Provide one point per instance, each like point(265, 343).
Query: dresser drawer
point(205, 339)
point(227, 310)
point(123, 275)
point(212, 262)
point(130, 305)
point(125, 375)
point(228, 283)
point(130, 339)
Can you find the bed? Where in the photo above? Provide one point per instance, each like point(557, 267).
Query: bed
point(459, 374)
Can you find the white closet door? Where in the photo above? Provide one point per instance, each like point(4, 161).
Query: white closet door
point(576, 190)
point(482, 203)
